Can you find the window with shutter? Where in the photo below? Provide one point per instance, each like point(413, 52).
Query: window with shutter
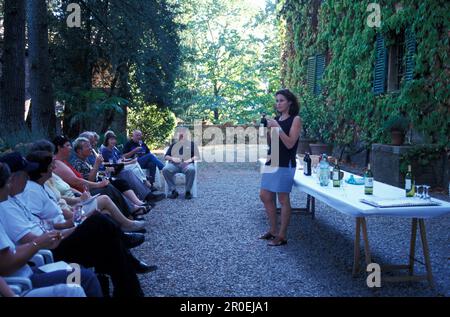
point(320, 68)
point(410, 48)
point(379, 78)
point(311, 74)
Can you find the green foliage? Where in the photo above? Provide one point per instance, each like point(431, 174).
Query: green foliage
point(156, 125)
point(115, 36)
point(230, 65)
point(97, 102)
point(422, 155)
point(343, 35)
point(397, 123)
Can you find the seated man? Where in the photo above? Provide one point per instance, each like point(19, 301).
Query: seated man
point(96, 242)
point(181, 156)
point(137, 147)
point(93, 139)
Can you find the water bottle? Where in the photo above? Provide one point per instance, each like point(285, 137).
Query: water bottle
point(324, 171)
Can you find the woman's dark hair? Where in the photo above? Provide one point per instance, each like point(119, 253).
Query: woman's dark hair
point(42, 145)
point(44, 159)
point(5, 173)
point(59, 141)
point(294, 109)
point(109, 135)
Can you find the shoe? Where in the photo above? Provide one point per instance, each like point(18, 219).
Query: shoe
point(267, 236)
point(173, 195)
point(132, 240)
point(277, 242)
point(134, 226)
point(154, 197)
point(142, 210)
point(188, 195)
point(142, 268)
point(141, 231)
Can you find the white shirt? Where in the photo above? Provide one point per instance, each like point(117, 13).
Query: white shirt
point(18, 220)
point(6, 243)
point(42, 202)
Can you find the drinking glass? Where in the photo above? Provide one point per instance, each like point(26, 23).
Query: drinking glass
point(417, 194)
point(78, 215)
point(47, 225)
point(426, 189)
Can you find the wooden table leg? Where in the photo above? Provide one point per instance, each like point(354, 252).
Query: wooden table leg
point(412, 246)
point(313, 207)
point(356, 247)
point(366, 241)
point(426, 252)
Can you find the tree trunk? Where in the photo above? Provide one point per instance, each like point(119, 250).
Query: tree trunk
point(43, 118)
point(12, 86)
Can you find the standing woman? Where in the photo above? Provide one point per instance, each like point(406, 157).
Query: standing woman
point(278, 176)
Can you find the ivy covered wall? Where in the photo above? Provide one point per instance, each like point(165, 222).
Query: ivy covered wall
point(346, 110)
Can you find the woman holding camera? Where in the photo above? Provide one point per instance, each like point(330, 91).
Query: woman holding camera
point(278, 175)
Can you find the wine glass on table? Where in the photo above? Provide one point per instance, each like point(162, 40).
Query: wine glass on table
point(426, 192)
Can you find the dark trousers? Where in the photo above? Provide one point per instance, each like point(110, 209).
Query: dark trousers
point(97, 243)
point(89, 281)
point(150, 162)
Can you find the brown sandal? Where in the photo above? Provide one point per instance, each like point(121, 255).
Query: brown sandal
point(267, 236)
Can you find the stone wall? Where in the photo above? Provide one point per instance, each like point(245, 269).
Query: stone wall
point(385, 162)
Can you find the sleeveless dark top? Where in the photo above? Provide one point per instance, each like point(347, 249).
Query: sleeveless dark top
point(286, 155)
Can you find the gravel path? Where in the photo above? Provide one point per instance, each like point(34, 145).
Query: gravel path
point(208, 246)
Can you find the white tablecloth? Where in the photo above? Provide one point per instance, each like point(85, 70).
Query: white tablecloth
point(346, 199)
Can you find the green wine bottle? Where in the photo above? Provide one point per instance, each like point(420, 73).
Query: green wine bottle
point(368, 181)
point(409, 183)
point(336, 173)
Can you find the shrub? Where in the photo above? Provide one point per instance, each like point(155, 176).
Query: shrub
point(156, 124)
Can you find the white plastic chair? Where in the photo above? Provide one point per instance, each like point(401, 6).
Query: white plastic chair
point(20, 285)
point(194, 185)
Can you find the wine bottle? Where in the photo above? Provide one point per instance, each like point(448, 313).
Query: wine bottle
point(368, 181)
point(307, 165)
point(409, 183)
point(336, 173)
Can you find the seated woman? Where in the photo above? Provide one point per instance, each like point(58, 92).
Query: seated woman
point(65, 197)
point(132, 171)
point(112, 154)
point(71, 176)
point(97, 242)
point(49, 209)
point(14, 259)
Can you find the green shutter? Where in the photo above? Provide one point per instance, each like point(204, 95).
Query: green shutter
point(320, 68)
point(410, 45)
point(379, 76)
point(311, 75)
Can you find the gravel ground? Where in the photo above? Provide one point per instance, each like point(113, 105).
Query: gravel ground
point(208, 246)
